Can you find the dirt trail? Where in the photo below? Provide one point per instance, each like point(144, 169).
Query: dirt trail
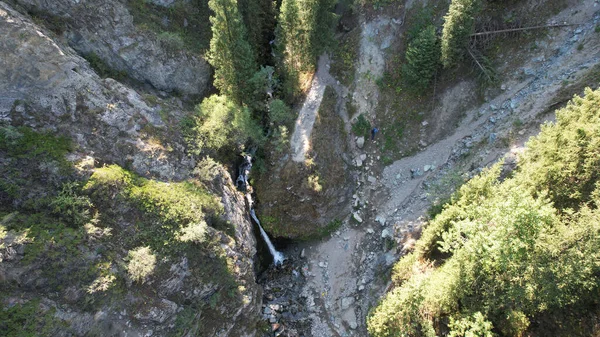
point(341, 282)
point(300, 142)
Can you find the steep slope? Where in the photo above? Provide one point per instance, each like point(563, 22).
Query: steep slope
point(105, 30)
point(89, 249)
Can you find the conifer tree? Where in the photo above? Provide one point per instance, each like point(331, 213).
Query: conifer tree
point(305, 29)
point(230, 53)
point(259, 19)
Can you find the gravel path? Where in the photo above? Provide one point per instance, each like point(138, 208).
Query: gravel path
point(300, 142)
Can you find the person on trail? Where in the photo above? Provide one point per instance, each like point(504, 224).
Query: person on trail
point(373, 133)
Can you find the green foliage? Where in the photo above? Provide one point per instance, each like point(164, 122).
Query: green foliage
point(279, 112)
point(458, 25)
point(23, 142)
point(507, 252)
point(38, 166)
point(259, 19)
point(564, 159)
point(230, 53)
point(29, 319)
point(207, 169)
point(179, 209)
point(221, 124)
point(103, 69)
point(71, 206)
point(471, 326)
point(362, 127)
point(422, 59)
point(141, 264)
point(304, 31)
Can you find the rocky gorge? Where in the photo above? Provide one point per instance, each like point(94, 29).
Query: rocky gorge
point(110, 226)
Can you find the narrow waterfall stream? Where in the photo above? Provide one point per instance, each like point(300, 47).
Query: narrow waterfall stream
point(242, 183)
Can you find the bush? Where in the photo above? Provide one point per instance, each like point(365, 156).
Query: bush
point(220, 124)
point(475, 325)
point(279, 112)
point(422, 59)
point(141, 264)
point(509, 252)
point(459, 24)
point(362, 127)
point(71, 206)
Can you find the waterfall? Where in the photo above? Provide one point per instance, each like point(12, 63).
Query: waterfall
point(277, 256)
point(242, 184)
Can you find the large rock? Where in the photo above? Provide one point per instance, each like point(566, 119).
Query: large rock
point(105, 28)
point(45, 85)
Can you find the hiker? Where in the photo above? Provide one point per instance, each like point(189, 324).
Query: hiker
point(373, 133)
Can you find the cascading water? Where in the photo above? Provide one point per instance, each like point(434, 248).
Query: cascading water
point(242, 183)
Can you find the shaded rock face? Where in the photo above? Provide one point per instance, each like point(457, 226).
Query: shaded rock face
point(106, 29)
point(47, 86)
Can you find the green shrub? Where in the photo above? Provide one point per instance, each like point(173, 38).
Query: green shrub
point(362, 127)
point(507, 252)
point(458, 25)
point(141, 264)
point(71, 206)
point(279, 112)
point(29, 319)
point(422, 60)
point(475, 325)
point(220, 124)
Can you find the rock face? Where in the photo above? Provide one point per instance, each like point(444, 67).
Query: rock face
point(106, 29)
point(47, 86)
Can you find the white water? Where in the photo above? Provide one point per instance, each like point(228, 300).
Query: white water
point(243, 180)
point(277, 256)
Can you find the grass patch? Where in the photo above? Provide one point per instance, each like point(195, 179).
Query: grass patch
point(103, 69)
point(185, 25)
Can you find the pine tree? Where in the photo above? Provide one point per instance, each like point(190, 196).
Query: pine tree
point(422, 59)
point(230, 53)
point(459, 24)
point(259, 19)
point(305, 29)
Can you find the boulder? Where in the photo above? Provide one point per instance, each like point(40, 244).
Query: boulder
point(360, 142)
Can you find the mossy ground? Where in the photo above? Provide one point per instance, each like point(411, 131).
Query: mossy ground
point(77, 237)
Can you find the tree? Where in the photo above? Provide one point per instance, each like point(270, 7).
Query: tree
point(458, 25)
point(305, 29)
point(507, 253)
point(422, 59)
point(221, 123)
point(259, 19)
point(230, 53)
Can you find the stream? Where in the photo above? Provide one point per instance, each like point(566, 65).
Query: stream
point(242, 184)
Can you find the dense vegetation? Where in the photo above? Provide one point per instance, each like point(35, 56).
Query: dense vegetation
point(100, 234)
point(253, 93)
point(507, 254)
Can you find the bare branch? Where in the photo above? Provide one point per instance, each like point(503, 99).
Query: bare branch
point(522, 29)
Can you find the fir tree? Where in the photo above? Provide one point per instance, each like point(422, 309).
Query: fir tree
point(230, 53)
point(259, 19)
